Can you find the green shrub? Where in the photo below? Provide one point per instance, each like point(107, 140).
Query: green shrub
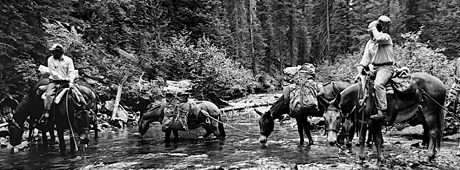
point(207, 65)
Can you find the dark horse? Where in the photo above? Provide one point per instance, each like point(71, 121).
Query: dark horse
point(281, 106)
point(197, 116)
point(66, 111)
point(154, 113)
point(420, 103)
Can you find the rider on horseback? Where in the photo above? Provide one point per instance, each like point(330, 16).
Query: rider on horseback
point(378, 54)
point(61, 68)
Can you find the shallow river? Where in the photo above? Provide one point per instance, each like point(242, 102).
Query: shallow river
point(125, 149)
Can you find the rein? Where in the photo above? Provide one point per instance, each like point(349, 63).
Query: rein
point(442, 107)
point(68, 119)
point(228, 125)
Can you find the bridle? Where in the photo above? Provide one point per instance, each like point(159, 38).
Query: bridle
point(338, 128)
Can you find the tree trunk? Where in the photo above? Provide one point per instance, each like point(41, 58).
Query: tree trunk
point(292, 59)
point(328, 30)
point(118, 97)
point(251, 38)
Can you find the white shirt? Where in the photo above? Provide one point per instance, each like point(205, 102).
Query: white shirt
point(61, 69)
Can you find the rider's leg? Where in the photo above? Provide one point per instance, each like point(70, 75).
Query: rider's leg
point(48, 101)
point(382, 76)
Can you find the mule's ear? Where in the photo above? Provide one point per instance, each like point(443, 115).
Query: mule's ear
point(258, 112)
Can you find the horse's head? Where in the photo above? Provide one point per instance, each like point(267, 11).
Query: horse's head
point(332, 118)
point(266, 124)
point(16, 120)
point(15, 133)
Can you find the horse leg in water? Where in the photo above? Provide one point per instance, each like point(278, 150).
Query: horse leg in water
point(208, 129)
point(370, 139)
point(376, 134)
point(176, 135)
point(426, 135)
point(44, 139)
point(307, 128)
point(60, 132)
point(300, 129)
point(434, 132)
point(362, 140)
point(144, 125)
point(52, 135)
point(31, 134)
point(167, 135)
point(95, 129)
point(73, 144)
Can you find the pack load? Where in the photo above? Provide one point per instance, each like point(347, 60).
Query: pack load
point(176, 116)
point(302, 94)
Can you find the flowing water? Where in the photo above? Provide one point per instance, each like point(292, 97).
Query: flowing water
point(125, 149)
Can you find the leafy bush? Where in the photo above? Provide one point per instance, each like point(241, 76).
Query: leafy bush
point(204, 63)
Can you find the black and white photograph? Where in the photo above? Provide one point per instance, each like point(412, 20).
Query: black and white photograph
point(229, 84)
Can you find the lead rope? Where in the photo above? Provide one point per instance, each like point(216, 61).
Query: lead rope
point(228, 125)
point(68, 119)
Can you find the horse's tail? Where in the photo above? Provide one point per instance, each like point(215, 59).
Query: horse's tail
point(220, 126)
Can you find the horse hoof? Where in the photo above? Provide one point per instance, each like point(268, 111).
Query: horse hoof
point(14, 150)
point(431, 158)
point(310, 143)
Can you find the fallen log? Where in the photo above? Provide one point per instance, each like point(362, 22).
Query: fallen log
point(245, 107)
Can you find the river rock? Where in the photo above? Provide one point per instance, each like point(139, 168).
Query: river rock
point(3, 142)
point(411, 130)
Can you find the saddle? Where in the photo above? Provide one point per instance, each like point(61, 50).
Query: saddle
point(400, 81)
point(61, 89)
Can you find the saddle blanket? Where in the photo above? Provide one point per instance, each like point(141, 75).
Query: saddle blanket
point(57, 99)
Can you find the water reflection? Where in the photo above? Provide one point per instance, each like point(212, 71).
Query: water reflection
point(125, 149)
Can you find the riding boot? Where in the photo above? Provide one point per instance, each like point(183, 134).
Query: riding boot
point(380, 115)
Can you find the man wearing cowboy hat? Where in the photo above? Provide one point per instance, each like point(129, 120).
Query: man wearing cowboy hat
point(61, 68)
point(378, 54)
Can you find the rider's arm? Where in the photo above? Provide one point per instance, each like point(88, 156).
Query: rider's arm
point(380, 37)
point(72, 71)
point(366, 59)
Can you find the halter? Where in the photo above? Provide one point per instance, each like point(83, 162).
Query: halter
point(338, 128)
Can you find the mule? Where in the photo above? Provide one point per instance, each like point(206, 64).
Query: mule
point(198, 114)
point(154, 113)
point(281, 106)
point(67, 110)
point(420, 103)
point(30, 106)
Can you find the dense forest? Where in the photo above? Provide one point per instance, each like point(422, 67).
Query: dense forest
point(222, 46)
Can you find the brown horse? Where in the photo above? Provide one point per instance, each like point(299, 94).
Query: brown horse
point(197, 116)
point(281, 106)
point(420, 103)
point(67, 114)
point(154, 113)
